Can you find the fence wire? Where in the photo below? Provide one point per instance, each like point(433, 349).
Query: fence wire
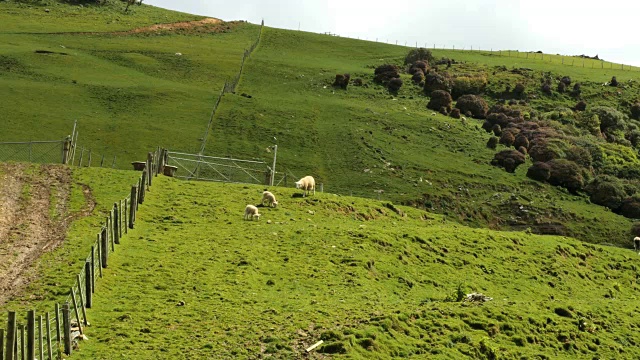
point(44, 152)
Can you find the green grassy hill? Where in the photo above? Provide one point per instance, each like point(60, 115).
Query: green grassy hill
point(371, 279)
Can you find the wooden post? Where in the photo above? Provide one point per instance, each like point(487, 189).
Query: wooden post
point(102, 161)
point(99, 245)
point(11, 337)
point(89, 163)
point(31, 334)
point(66, 323)
point(121, 216)
point(82, 300)
point(23, 344)
point(149, 168)
point(41, 340)
point(48, 327)
point(75, 310)
point(111, 233)
point(132, 206)
point(104, 248)
point(88, 289)
point(139, 191)
point(113, 164)
point(2, 343)
point(116, 223)
point(142, 188)
point(66, 148)
point(81, 156)
point(58, 332)
point(126, 208)
point(93, 269)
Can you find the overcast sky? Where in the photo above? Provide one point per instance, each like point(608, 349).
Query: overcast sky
point(609, 29)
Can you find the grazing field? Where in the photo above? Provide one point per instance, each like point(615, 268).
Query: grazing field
point(371, 279)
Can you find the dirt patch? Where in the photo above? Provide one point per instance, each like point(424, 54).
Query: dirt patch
point(33, 219)
point(186, 25)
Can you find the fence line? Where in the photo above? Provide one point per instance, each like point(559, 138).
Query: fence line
point(229, 87)
point(65, 327)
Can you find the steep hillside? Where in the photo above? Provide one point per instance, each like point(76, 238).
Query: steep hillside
point(365, 139)
point(371, 279)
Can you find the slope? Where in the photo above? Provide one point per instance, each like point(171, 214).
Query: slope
point(366, 141)
point(371, 279)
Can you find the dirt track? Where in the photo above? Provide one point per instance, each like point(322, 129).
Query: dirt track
point(173, 26)
point(33, 219)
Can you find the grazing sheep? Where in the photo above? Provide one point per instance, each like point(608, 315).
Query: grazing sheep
point(269, 198)
point(307, 184)
point(636, 243)
point(251, 212)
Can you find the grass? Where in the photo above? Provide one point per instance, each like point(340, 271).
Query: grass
point(32, 17)
point(118, 87)
point(194, 279)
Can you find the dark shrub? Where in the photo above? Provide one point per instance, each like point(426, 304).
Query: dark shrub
point(455, 113)
point(576, 90)
point(342, 81)
point(567, 174)
point(395, 84)
point(492, 143)
point(358, 82)
point(417, 77)
point(435, 81)
point(606, 191)
point(497, 130)
point(635, 111)
point(546, 88)
point(566, 80)
point(614, 81)
point(562, 87)
point(546, 149)
point(521, 141)
point(635, 230)
point(519, 90)
point(513, 102)
point(539, 171)
point(522, 150)
point(384, 73)
point(420, 54)
point(419, 66)
point(440, 99)
point(581, 106)
point(580, 156)
point(444, 111)
point(473, 104)
point(487, 125)
point(507, 138)
point(630, 207)
point(508, 159)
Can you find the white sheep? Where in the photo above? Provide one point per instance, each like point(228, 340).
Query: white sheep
point(251, 212)
point(307, 184)
point(636, 243)
point(269, 198)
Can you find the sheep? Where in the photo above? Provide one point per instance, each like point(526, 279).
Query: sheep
point(636, 243)
point(307, 184)
point(269, 198)
point(251, 212)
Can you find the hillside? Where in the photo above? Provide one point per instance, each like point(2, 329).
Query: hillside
point(371, 279)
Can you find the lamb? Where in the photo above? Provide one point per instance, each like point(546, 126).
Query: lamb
point(269, 198)
point(251, 212)
point(636, 243)
point(307, 184)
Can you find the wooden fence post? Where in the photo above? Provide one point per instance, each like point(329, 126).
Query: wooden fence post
point(31, 334)
point(66, 323)
point(104, 248)
point(116, 223)
point(126, 222)
point(58, 332)
point(88, 289)
point(121, 216)
point(48, 327)
point(11, 337)
point(89, 163)
point(99, 244)
point(41, 338)
point(149, 168)
point(2, 343)
point(81, 156)
point(102, 161)
point(66, 148)
point(23, 343)
point(110, 230)
point(142, 187)
point(132, 206)
point(139, 190)
point(75, 310)
point(93, 268)
point(82, 299)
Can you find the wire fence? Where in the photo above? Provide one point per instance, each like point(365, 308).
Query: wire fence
point(230, 87)
point(53, 335)
point(33, 151)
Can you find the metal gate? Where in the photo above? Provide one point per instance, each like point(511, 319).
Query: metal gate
point(224, 169)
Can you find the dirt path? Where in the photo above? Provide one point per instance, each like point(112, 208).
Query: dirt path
point(173, 26)
point(33, 219)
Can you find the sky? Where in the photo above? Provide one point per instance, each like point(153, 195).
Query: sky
point(570, 27)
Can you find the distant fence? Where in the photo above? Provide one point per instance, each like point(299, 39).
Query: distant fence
point(43, 152)
point(211, 168)
point(230, 86)
point(51, 335)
